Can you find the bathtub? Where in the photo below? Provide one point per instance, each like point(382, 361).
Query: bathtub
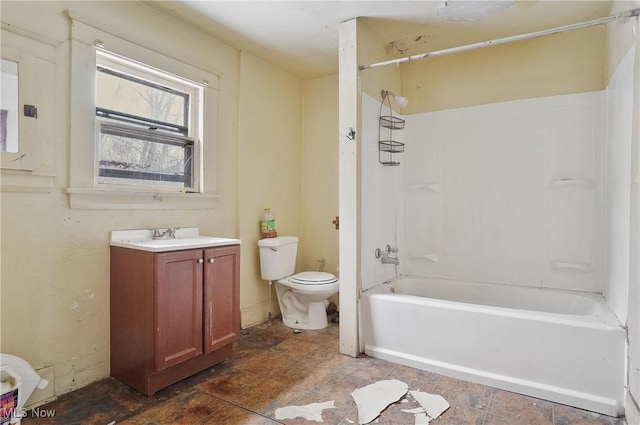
point(556, 345)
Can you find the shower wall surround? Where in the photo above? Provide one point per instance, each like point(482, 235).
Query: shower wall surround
point(508, 193)
point(381, 197)
point(618, 156)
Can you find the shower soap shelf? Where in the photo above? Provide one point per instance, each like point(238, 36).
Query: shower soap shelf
point(391, 122)
point(391, 146)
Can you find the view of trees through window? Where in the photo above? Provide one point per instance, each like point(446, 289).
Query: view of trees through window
point(144, 129)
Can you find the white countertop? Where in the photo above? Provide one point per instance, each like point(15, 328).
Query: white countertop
point(185, 238)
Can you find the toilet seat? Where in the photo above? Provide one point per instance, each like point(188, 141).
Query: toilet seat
point(313, 278)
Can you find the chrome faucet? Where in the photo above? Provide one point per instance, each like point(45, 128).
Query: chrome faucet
point(385, 256)
point(169, 233)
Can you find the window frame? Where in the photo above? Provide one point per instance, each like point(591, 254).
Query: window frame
point(83, 192)
point(31, 169)
point(188, 134)
point(117, 129)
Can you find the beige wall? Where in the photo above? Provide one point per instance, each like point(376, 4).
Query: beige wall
point(288, 161)
point(372, 49)
point(620, 36)
point(55, 260)
point(568, 62)
point(269, 170)
point(320, 174)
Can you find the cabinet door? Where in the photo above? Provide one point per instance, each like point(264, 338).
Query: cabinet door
point(178, 327)
point(221, 296)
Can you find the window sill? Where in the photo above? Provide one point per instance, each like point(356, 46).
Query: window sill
point(107, 199)
point(26, 181)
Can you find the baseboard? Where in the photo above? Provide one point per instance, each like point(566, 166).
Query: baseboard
point(258, 313)
point(42, 396)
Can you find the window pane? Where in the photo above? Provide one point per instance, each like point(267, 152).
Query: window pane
point(128, 160)
point(9, 107)
point(140, 98)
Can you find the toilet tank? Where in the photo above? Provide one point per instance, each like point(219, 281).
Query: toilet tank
point(277, 257)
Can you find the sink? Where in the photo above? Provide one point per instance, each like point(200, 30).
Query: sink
point(185, 243)
point(186, 238)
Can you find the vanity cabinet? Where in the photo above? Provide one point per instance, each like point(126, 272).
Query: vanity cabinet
point(173, 313)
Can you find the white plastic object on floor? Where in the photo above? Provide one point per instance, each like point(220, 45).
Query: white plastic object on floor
point(9, 396)
point(29, 379)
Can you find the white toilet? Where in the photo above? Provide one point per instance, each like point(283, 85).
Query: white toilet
point(303, 297)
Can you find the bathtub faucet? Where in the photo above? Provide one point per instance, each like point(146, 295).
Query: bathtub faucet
point(385, 256)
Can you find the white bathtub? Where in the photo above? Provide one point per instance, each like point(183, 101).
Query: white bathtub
point(556, 345)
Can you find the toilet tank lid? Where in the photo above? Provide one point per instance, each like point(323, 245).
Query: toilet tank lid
point(279, 241)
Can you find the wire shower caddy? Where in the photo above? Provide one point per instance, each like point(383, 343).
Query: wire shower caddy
point(388, 147)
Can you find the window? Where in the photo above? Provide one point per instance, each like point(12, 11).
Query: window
point(9, 107)
point(144, 126)
point(148, 126)
point(27, 105)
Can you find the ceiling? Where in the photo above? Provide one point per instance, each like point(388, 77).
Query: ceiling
point(302, 36)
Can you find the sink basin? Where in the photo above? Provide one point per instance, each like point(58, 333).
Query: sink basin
point(186, 238)
point(179, 242)
point(186, 243)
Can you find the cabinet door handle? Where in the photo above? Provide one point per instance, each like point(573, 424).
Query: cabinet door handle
point(211, 260)
point(200, 260)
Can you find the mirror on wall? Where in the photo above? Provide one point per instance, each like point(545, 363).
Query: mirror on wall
point(9, 107)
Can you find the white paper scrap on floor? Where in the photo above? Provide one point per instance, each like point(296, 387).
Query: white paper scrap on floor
point(373, 399)
point(310, 412)
point(433, 405)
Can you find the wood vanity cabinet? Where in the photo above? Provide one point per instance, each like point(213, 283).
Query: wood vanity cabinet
point(172, 313)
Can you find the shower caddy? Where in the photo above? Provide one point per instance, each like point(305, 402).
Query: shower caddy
point(389, 147)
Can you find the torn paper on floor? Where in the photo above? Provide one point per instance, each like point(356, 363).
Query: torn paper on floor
point(373, 399)
point(432, 406)
point(310, 412)
point(421, 415)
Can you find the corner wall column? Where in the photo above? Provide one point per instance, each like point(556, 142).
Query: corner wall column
point(349, 188)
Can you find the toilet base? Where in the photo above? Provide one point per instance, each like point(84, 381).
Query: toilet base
point(316, 318)
point(299, 312)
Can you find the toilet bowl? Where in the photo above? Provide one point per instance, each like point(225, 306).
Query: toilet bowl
point(302, 297)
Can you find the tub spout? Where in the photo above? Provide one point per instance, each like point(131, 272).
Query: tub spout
point(386, 259)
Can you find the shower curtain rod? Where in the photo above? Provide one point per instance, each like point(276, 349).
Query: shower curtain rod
point(626, 14)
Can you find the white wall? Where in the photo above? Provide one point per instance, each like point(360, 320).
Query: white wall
point(507, 192)
point(633, 313)
point(619, 115)
point(574, 225)
point(633, 296)
point(381, 195)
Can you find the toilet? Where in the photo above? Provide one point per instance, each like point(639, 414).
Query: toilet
point(303, 297)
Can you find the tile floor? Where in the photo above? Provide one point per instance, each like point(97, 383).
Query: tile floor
point(273, 367)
